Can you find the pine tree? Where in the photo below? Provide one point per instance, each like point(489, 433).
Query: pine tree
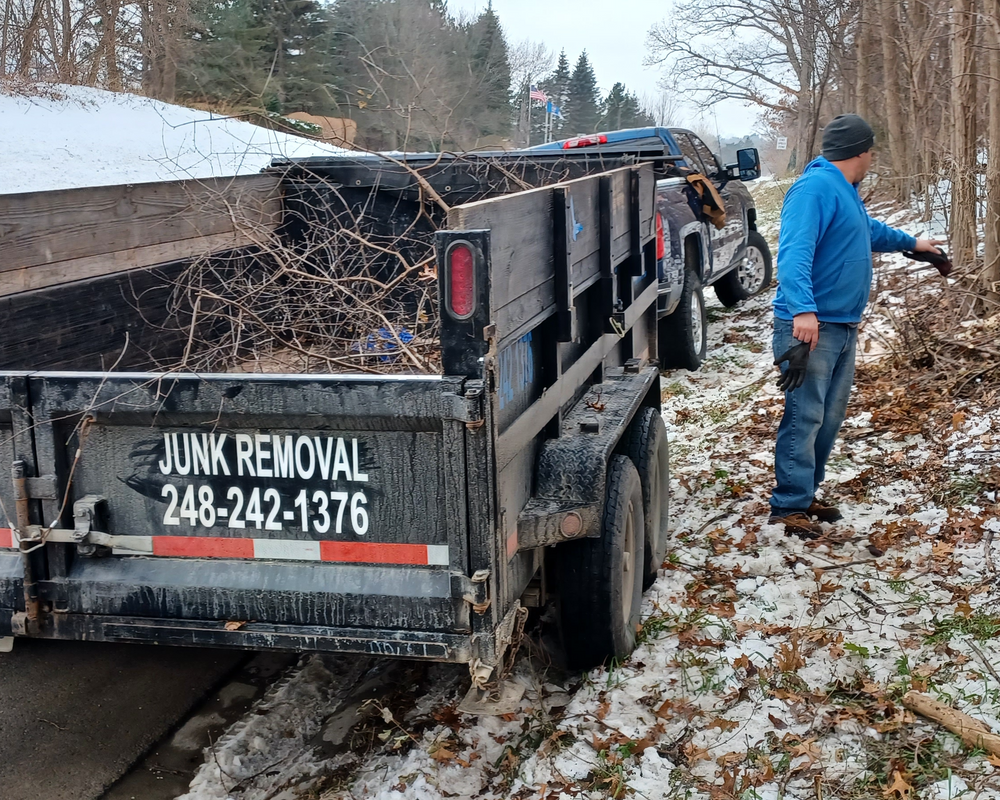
point(556, 86)
point(490, 63)
point(581, 110)
point(621, 109)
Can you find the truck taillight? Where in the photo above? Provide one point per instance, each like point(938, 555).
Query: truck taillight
point(661, 244)
point(461, 283)
point(585, 141)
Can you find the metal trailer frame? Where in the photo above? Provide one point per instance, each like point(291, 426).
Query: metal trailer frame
point(506, 454)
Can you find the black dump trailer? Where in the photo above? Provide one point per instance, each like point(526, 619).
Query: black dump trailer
point(413, 516)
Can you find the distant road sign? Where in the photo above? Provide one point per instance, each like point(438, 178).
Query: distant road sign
point(781, 143)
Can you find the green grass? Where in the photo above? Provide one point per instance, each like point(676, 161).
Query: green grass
point(978, 625)
point(675, 389)
point(961, 489)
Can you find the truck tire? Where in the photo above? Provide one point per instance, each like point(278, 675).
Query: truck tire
point(600, 580)
point(683, 336)
point(751, 277)
point(646, 446)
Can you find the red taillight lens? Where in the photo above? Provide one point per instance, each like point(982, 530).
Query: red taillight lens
point(661, 244)
point(461, 281)
point(585, 141)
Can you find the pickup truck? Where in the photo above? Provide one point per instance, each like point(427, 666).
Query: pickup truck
point(734, 259)
point(414, 516)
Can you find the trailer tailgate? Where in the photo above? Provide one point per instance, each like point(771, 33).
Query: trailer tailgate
point(267, 504)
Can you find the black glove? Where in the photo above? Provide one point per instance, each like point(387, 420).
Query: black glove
point(798, 359)
point(939, 261)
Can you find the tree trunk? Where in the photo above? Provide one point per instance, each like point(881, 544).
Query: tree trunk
point(991, 267)
point(893, 99)
point(862, 89)
point(28, 42)
point(964, 238)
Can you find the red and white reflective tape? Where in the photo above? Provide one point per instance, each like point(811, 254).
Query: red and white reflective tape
point(7, 538)
point(434, 555)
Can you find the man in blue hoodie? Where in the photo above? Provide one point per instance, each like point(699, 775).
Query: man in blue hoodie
point(824, 278)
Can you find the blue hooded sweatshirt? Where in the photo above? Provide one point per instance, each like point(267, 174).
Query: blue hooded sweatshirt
point(825, 247)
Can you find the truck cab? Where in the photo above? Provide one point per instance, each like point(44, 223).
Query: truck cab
point(732, 257)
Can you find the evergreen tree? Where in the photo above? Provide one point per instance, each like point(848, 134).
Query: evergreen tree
point(621, 109)
point(490, 65)
point(260, 53)
point(556, 86)
point(581, 110)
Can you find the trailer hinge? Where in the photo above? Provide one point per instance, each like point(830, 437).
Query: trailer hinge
point(474, 590)
point(467, 408)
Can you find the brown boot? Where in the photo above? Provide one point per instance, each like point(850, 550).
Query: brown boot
point(797, 522)
point(824, 512)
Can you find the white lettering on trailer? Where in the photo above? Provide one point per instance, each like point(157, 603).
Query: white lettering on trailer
point(244, 449)
point(219, 465)
point(359, 476)
point(341, 463)
point(304, 444)
point(324, 456)
point(283, 456)
point(263, 456)
point(186, 469)
point(200, 453)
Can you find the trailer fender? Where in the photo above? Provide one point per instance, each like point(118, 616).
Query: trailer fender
point(572, 468)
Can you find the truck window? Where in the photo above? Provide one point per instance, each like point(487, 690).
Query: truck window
point(689, 152)
point(707, 157)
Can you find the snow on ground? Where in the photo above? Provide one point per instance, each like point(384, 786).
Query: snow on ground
point(73, 136)
point(769, 667)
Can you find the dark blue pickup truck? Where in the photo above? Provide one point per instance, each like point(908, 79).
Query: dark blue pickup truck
point(734, 259)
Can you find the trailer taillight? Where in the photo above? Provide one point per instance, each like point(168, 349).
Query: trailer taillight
point(661, 244)
point(584, 141)
point(461, 282)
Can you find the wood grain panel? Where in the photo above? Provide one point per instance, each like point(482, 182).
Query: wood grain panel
point(69, 227)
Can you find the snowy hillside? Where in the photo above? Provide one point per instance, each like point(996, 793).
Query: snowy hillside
point(72, 136)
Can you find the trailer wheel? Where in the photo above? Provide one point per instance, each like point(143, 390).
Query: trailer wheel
point(646, 446)
point(600, 580)
point(751, 277)
point(683, 336)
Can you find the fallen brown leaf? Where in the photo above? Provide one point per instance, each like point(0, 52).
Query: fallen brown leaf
point(899, 787)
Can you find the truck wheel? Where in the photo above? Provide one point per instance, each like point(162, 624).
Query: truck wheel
point(683, 335)
point(646, 446)
point(600, 580)
point(751, 277)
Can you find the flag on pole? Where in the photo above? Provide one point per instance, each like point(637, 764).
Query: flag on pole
point(554, 110)
point(538, 94)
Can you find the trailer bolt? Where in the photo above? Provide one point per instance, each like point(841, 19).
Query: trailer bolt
point(571, 524)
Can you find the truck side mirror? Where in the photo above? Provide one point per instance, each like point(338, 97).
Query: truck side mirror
point(747, 166)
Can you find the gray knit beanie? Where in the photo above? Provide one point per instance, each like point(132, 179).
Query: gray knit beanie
point(847, 136)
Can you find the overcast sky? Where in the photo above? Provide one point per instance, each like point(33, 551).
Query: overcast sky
point(613, 32)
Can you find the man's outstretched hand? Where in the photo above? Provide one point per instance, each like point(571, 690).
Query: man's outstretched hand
point(798, 359)
point(931, 255)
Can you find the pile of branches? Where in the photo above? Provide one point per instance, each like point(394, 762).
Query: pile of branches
point(946, 332)
point(347, 283)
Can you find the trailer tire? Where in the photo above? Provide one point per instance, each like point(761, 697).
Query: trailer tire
point(646, 445)
point(751, 277)
point(683, 336)
point(600, 581)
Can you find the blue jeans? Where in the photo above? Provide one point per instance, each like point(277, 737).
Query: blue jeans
point(813, 413)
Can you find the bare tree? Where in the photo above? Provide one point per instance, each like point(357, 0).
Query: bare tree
point(781, 55)
point(964, 236)
point(664, 105)
point(991, 270)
